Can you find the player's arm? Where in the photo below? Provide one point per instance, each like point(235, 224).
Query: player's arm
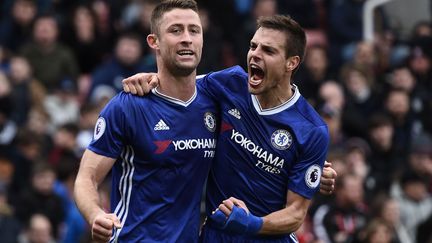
point(214, 83)
point(233, 216)
point(92, 171)
point(229, 216)
point(289, 219)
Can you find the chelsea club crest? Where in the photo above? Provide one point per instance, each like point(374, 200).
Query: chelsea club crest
point(210, 121)
point(281, 139)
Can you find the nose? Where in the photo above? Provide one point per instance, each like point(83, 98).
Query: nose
point(186, 37)
point(255, 53)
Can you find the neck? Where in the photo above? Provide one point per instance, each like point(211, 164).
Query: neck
point(276, 96)
point(179, 87)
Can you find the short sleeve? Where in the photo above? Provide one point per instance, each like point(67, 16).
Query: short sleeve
point(108, 136)
point(214, 84)
point(306, 173)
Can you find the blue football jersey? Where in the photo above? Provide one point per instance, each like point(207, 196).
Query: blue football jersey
point(263, 153)
point(164, 148)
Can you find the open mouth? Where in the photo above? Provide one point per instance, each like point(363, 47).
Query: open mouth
point(256, 75)
point(185, 53)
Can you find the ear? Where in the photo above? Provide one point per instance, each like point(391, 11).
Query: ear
point(153, 41)
point(292, 63)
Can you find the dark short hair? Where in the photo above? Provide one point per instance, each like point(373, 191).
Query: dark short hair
point(295, 42)
point(166, 6)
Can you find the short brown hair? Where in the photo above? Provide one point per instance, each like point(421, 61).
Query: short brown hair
point(166, 6)
point(294, 33)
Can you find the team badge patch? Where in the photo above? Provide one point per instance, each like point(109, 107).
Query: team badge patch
point(313, 175)
point(99, 128)
point(281, 139)
point(210, 121)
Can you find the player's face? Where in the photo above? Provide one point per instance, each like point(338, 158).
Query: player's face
point(266, 60)
point(181, 40)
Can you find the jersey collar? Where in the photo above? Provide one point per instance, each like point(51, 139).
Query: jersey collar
point(175, 100)
point(279, 108)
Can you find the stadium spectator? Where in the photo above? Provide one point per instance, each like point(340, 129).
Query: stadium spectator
point(420, 158)
point(82, 37)
point(62, 104)
point(38, 229)
point(40, 198)
point(414, 200)
point(16, 29)
point(25, 153)
point(362, 100)
point(331, 108)
point(376, 231)
point(346, 217)
point(126, 61)
point(65, 145)
point(10, 227)
point(387, 209)
point(51, 61)
point(345, 29)
point(246, 31)
point(22, 82)
point(384, 158)
point(313, 73)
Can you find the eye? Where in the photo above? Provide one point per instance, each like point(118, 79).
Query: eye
point(252, 46)
point(175, 30)
point(195, 30)
point(269, 50)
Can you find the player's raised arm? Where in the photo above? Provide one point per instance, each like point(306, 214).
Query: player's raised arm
point(92, 171)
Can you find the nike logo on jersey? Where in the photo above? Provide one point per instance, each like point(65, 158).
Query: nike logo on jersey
point(161, 125)
point(235, 113)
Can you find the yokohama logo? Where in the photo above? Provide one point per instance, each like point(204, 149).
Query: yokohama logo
point(186, 144)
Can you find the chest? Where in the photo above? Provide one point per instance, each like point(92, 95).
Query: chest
point(265, 142)
point(174, 135)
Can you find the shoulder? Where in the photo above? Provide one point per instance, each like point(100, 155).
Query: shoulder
point(233, 78)
point(235, 71)
point(309, 113)
point(123, 100)
point(312, 126)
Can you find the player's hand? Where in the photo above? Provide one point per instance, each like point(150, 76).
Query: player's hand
point(328, 179)
point(233, 216)
point(140, 83)
point(103, 225)
point(227, 205)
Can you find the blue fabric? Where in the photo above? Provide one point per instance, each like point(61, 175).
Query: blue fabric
point(239, 221)
point(161, 163)
point(263, 154)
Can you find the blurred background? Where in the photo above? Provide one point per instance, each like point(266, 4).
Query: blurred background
point(367, 71)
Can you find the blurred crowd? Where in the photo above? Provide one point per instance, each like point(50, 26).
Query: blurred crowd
point(61, 61)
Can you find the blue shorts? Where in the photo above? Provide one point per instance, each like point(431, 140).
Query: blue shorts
point(213, 235)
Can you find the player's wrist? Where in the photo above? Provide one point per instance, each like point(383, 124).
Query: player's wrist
point(255, 224)
point(238, 222)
